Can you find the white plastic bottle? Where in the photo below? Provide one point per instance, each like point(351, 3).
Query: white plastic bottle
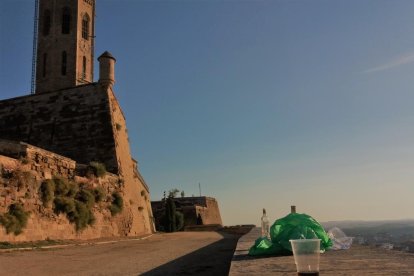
point(265, 225)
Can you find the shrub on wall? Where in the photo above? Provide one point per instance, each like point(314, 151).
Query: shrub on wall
point(20, 179)
point(15, 219)
point(98, 169)
point(76, 203)
point(117, 204)
point(86, 197)
point(83, 216)
point(76, 211)
point(23, 160)
point(65, 205)
point(63, 187)
point(47, 190)
point(99, 194)
point(79, 210)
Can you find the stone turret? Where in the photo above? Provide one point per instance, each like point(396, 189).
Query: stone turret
point(106, 70)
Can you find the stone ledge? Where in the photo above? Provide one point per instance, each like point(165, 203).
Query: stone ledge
point(359, 260)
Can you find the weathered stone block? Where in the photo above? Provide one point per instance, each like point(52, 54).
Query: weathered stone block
point(47, 175)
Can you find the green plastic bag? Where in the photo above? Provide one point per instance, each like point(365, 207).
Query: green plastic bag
point(264, 247)
point(293, 226)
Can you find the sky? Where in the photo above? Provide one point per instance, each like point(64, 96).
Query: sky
point(266, 104)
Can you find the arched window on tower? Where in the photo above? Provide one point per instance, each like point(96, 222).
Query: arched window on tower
point(84, 68)
point(44, 64)
point(46, 22)
point(64, 63)
point(85, 27)
point(65, 20)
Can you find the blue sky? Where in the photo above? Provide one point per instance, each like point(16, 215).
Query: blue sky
point(265, 103)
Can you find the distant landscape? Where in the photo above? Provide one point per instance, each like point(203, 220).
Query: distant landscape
point(388, 234)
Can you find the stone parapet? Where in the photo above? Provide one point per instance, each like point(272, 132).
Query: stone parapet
point(43, 162)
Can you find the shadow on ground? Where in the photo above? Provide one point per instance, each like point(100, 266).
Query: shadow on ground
point(213, 259)
point(246, 257)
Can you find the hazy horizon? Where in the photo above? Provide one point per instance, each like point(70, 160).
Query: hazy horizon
point(267, 104)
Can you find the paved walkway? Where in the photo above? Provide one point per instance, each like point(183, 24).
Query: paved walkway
point(359, 260)
point(181, 253)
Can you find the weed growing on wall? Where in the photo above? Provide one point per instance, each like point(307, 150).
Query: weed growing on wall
point(47, 191)
point(99, 194)
point(20, 179)
point(24, 160)
point(76, 203)
point(86, 197)
point(117, 204)
point(63, 187)
point(83, 215)
point(65, 205)
point(15, 220)
point(96, 168)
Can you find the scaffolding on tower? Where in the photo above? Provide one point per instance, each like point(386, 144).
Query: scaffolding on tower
point(34, 55)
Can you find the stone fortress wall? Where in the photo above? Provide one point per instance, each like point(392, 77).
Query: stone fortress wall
point(192, 207)
point(209, 211)
point(33, 165)
point(44, 163)
point(137, 192)
point(75, 123)
point(72, 120)
point(80, 124)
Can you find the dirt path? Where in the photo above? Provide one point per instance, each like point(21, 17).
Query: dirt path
point(183, 253)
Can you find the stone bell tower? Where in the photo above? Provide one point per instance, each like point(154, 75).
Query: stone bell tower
point(65, 49)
